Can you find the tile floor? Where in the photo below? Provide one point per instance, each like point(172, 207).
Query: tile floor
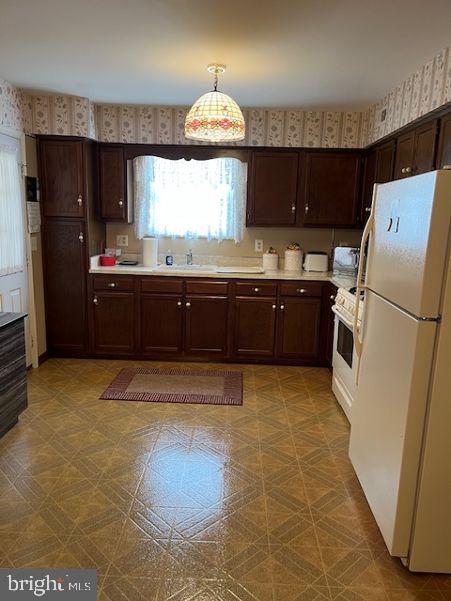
point(191, 502)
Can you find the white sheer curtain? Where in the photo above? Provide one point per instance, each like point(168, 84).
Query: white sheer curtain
point(11, 219)
point(190, 198)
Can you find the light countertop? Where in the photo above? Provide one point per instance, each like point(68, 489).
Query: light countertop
point(209, 271)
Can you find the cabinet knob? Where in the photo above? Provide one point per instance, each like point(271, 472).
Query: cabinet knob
point(282, 307)
point(256, 289)
point(293, 208)
point(332, 297)
point(95, 300)
point(81, 237)
point(121, 203)
point(301, 290)
point(368, 209)
point(306, 210)
point(80, 200)
point(274, 307)
point(403, 170)
point(408, 169)
point(187, 304)
point(179, 303)
point(112, 285)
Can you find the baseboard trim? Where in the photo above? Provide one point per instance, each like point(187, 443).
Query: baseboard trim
point(43, 358)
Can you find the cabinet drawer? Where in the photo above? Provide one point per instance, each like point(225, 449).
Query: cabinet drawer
point(255, 289)
point(161, 285)
point(301, 289)
point(112, 282)
point(207, 287)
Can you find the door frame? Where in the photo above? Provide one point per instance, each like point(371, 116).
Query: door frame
point(31, 310)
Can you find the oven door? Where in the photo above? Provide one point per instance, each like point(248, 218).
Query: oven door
point(344, 363)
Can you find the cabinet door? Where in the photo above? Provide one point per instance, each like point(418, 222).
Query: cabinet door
point(255, 320)
point(444, 147)
point(161, 324)
point(404, 155)
point(65, 285)
point(331, 190)
point(273, 189)
point(424, 154)
point(299, 328)
point(61, 170)
point(114, 322)
point(369, 178)
point(206, 321)
point(112, 182)
point(385, 158)
point(378, 170)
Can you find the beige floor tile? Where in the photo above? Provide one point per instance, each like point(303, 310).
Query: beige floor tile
point(174, 502)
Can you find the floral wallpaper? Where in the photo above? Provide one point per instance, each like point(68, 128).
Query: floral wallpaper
point(15, 107)
point(423, 91)
point(265, 127)
point(426, 89)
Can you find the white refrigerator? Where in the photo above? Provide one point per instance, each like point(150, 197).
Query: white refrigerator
point(400, 444)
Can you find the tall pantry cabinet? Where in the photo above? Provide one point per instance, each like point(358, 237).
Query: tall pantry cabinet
point(71, 233)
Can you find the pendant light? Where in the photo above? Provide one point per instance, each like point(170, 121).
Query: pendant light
point(215, 117)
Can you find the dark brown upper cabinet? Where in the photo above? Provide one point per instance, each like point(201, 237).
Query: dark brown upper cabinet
point(378, 170)
point(62, 178)
point(112, 183)
point(273, 189)
point(444, 146)
point(415, 150)
point(331, 189)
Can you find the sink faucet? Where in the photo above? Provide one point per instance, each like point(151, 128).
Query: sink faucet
point(189, 257)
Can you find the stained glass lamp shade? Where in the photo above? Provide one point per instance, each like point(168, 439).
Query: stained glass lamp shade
point(215, 117)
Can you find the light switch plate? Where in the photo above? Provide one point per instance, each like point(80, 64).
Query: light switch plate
point(121, 240)
point(258, 246)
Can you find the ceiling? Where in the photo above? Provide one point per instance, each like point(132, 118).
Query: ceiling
point(288, 53)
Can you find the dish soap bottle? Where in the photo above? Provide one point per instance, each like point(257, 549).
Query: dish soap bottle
point(169, 258)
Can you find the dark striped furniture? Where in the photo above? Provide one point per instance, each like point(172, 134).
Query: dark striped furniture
point(13, 370)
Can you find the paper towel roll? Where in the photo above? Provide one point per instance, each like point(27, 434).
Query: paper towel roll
point(150, 252)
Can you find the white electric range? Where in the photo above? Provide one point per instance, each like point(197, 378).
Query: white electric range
point(344, 360)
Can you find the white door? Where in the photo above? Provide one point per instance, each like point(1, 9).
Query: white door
point(13, 256)
point(388, 415)
point(408, 245)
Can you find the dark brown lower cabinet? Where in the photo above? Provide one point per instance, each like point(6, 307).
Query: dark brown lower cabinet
point(206, 325)
point(255, 323)
point(114, 323)
point(64, 259)
point(298, 329)
point(161, 324)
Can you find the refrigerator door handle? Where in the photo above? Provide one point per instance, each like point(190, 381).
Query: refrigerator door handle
point(358, 342)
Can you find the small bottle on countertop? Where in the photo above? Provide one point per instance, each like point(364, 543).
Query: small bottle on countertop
point(169, 258)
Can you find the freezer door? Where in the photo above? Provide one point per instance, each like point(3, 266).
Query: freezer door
point(389, 413)
point(408, 245)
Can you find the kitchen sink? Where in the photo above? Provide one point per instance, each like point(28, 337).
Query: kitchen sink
point(179, 268)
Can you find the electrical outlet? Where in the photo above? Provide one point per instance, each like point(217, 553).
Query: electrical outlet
point(121, 240)
point(258, 247)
